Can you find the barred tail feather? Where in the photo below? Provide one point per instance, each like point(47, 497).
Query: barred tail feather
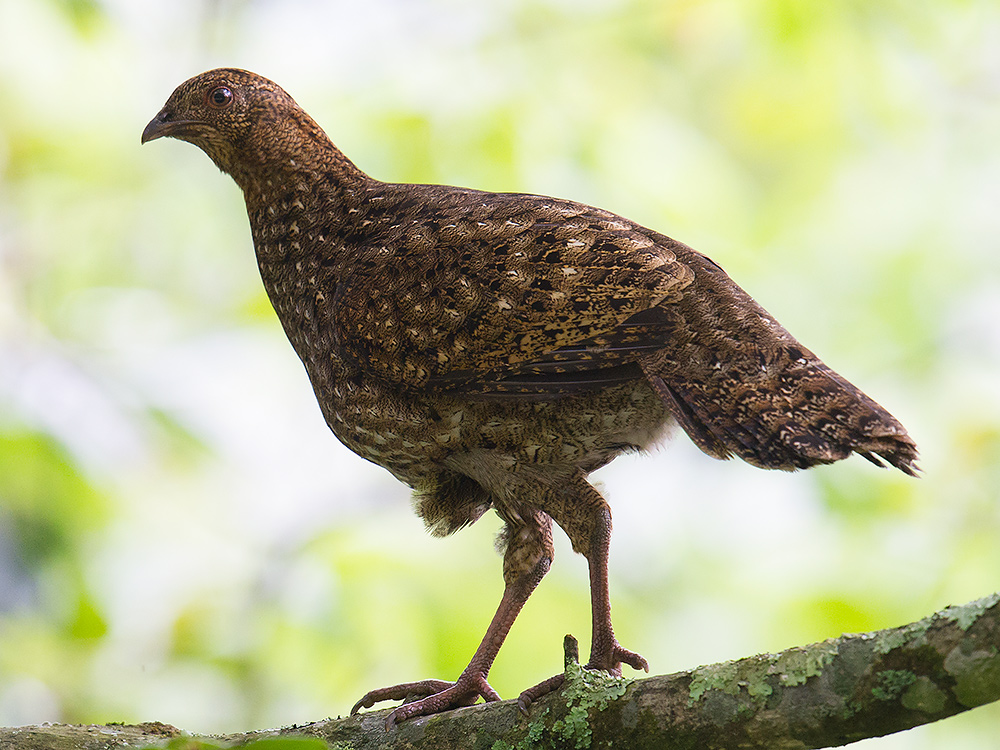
point(789, 413)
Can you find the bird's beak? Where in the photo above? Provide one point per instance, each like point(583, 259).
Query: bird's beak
point(164, 125)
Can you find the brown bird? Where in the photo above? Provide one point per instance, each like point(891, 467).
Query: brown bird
point(492, 349)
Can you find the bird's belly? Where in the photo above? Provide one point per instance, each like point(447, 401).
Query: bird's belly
point(416, 434)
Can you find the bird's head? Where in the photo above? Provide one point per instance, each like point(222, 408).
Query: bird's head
point(243, 121)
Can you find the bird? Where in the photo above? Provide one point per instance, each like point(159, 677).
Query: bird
point(491, 350)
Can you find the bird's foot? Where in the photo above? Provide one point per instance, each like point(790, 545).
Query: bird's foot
point(429, 697)
point(532, 694)
point(609, 660)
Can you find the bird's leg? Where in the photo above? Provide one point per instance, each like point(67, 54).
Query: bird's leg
point(586, 518)
point(527, 558)
point(605, 651)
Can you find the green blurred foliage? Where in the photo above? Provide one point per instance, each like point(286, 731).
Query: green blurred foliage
point(180, 538)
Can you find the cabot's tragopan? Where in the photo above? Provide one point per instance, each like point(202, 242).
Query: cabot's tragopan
point(493, 349)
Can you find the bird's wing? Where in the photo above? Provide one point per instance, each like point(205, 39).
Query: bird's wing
point(529, 297)
point(499, 293)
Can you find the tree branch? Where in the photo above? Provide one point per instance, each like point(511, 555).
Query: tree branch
point(823, 695)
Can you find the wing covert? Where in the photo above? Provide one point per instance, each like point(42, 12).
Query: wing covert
point(516, 285)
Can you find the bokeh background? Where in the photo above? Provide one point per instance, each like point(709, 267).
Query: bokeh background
point(181, 538)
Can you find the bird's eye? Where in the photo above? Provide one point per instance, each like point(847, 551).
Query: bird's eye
point(220, 97)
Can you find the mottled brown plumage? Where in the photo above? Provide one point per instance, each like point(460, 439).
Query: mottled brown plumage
point(491, 350)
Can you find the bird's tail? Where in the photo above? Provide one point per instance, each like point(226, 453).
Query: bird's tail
point(794, 414)
point(740, 384)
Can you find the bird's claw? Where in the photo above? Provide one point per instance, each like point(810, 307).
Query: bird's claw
point(619, 656)
point(610, 660)
point(532, 694)
point(610, 663)
point(429, 697)
point(405, 691)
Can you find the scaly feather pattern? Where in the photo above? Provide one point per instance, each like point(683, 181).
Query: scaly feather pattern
point(492, 349)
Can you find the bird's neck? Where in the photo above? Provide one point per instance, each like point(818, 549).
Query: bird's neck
point(291, 179)
point(298, 209)
point(282, 158)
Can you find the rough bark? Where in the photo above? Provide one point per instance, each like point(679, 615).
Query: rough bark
point(823, 695)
